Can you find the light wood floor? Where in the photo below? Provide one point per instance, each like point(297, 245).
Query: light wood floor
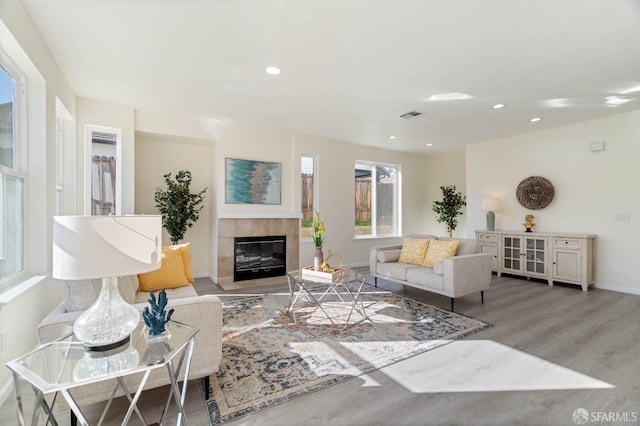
point(551, 351)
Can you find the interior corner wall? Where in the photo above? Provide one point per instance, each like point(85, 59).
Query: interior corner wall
point(445, 169)
point(592, 189)
point(157, 155)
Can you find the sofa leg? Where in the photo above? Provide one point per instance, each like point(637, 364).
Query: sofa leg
point(207, 386)
point(482, 296)
point(375, 281)
point(452, 299)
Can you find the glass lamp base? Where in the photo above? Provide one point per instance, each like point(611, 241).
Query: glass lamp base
point(108, 323)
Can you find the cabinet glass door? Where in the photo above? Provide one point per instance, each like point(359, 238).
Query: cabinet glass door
point(535, 254)
point(512, 252)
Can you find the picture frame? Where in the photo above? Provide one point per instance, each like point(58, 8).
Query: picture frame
point(252, 182)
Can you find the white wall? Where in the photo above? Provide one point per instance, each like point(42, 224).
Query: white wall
point(590, 188)
point(160, 154)
point(421, 176)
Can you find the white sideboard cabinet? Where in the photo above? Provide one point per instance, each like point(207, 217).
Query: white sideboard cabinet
point(561, 257)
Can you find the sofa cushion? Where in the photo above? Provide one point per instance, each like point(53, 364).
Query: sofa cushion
point(439, 250)
point(78, 295)
point(395, 270)
point(413, 250)
point(172, 293)
point(185, 252)
point(389, 255)
point(170, 275)
point(465, 245)
point(425, 277)
point(438, 268)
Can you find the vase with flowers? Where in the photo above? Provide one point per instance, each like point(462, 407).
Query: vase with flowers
point(318, 239)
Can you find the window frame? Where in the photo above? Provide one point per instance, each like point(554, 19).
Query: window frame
point(397, 200)
point(18, 170)
point(314, 201)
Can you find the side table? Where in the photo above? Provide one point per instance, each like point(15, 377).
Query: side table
point(59, 367)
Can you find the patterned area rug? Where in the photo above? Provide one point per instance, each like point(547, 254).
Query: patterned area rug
point(267, 359)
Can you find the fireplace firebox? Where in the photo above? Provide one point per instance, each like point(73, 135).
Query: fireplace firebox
point(259, 257)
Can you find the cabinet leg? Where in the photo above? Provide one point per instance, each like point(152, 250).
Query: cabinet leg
point(550, 283)
point(452, 299)
point(482, 296)
point(585, 287)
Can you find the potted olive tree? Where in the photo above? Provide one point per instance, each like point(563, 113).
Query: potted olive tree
point(448, 210)
point(180, 208)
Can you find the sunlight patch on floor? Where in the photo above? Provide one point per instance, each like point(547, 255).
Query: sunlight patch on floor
point(485, 366)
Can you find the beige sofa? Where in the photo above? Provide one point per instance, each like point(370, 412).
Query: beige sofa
point(467, 272)
point(203, 312)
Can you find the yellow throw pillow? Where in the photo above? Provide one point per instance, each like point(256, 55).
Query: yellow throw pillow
point(413, 250)
point(439, 250)
point(185, 251)
point(170, 275)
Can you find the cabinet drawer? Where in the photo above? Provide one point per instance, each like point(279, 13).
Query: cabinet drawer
point(566, 242)
point(488, 237)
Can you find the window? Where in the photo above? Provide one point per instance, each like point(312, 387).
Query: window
point(307, 195)
point(11, 176)
point(377, 199)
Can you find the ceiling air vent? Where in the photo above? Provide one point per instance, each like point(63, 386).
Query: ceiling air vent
point(411, 114)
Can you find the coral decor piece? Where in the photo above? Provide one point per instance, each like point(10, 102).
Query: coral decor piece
point(157, 317)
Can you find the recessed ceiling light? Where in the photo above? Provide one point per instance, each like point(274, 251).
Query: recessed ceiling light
point(429, 144)
point(272, 70)
point(498, 106)
point(392, 137)
point(453, 96)
point(535, 119)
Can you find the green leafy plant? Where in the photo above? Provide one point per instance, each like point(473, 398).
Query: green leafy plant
point(180, 208)
point(318, 230)
point(448, 210)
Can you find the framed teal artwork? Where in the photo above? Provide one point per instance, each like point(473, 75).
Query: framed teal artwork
point(252, 182)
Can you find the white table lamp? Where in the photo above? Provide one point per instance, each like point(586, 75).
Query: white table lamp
point(489, 205)
point(107, 247)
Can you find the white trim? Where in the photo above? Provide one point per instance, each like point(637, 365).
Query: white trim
point(6, 391)
point(627, 290)
point(22, 287)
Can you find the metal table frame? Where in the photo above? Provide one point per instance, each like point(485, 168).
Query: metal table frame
point(57, 375)
point(299, 289)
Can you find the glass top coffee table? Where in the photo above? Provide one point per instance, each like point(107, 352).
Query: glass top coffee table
point(340, 297)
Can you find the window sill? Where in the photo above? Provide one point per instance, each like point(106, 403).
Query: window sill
point(19, 288)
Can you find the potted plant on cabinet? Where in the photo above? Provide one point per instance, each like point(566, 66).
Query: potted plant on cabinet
point(448, 210)
point(180, 208)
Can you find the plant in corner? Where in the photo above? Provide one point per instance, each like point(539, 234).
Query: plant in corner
point(448, 210)
point(180, 208)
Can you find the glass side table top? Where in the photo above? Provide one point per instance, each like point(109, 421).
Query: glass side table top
point(65, 364)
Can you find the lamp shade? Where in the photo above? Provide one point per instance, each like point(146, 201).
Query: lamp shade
point(489, 204)
point(88, 247)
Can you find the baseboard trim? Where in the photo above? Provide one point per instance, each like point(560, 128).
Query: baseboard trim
point(6, 392)
point(627, 290)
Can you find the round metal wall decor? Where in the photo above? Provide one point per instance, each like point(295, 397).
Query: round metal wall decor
point(535, 192)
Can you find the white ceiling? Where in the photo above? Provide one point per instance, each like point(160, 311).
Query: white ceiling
point(351, 67)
